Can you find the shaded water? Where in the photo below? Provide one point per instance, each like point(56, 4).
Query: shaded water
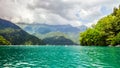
point(59, 56)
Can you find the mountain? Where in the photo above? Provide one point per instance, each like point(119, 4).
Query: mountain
point(45, 28)
point(58, 40)
point(15, 35)
point(45, 31)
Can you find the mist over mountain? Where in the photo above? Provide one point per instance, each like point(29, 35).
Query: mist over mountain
point(45, 28)
point(45, 31)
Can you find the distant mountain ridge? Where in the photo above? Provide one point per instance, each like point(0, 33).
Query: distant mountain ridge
point(45, 28)
point(46, 31)
point(58, 40)
point(17, 36)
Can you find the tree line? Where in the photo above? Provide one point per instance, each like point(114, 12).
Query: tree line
point(105, 32)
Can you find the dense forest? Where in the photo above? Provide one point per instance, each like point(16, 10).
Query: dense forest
point(14, 35)
point(56, 38)
point(105, 32)
point(3, 41)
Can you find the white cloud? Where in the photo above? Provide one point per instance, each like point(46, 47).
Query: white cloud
point(90, 14)
point(74, 12)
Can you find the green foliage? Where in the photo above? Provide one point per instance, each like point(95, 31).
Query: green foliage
point(58, 40)
point(28, 43)
point(92, 37)
point(16, 36)
point(116, 39)
point(105, 32)
point(3, 41)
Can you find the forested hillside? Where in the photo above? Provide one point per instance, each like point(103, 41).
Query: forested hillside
point(14, 35)
point(46, 31)
point(105, 32)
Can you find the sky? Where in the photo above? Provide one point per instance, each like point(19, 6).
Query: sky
point(56, 12)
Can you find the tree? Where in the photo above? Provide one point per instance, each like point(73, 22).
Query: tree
point(3, 41)
point(105, 32)
point(115, 11)
point(92, 37)
point(116, 40)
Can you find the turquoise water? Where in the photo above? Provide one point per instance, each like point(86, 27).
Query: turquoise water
point(59, 56)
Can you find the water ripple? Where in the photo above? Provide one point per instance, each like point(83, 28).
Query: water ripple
point(60, 57)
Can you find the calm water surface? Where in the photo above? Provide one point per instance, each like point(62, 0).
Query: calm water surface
point(59, 57)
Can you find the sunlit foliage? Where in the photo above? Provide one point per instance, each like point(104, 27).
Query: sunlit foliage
point(105, 32)
point(3, 41)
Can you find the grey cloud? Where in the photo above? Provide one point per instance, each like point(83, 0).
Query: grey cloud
point(65, 8)
point(52, 6)
point(54, 11)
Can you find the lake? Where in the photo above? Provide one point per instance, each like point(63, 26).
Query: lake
point(60, 56)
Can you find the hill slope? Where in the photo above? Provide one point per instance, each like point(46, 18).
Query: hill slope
point(15, 35)
point(45, 31)
point(105, 32)
point(58, 40)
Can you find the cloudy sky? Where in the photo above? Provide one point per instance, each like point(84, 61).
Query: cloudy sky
point(73, 12)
